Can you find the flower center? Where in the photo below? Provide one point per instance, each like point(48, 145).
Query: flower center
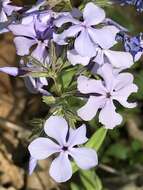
point(65, 148)
point(108, 95)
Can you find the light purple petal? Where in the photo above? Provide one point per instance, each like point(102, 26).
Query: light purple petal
point(26, 30)
point(10, 8)
point(42, 148)
point(13, 71)
point(84, 45)
point(106, 72)
point(122, 80)
point(59, 39)
point(108, 116)
point(123, 94)
point(3, 17)
point(99, 58)
point(65, 19)
point(119, 59)
point(138, 56)
point(40, 53)
point(72, 31)
point(57, 128)
point(86, 85)
point(60, 169)
point(93, 14)
point(32, 165)
point(23, 45)
point(74, 58)
point(104, 37)
point(77, 136)
point(85, 158)
point(89, 110)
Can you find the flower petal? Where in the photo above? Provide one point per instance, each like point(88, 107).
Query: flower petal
point(74, 58)
point(99, 58)
point(10, 8)
point(106, 72)
point(122, 80)
point(23, 45)
point(26, 30)
point(93, 14)
point(32, 165)
point(65, 19)
point(13, 71)
point(86, 85)
point(60, 169)
point(89, 110)
point(108, 115)
point(59, 39)
point(119, 59)
point(3, 17)
point(57, 128)
point(70, 32)
point(85, 158)
point(42, 148)
point(84, 46)
point(40, 53)
point(104, 37)
point(123, 94)
point(77, 136)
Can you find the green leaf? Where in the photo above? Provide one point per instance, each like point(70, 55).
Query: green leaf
point(74, 186)
point(90, 180)
point(97, 139)
point(67, 76)
point(94, 142)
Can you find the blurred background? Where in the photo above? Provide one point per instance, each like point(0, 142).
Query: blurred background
point(121, 155)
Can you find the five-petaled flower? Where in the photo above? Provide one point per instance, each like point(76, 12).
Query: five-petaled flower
point(102, 93)
point(88, 38)
point(65, 143)
point(37, 32)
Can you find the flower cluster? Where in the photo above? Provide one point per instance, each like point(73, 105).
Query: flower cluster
point(49, 43)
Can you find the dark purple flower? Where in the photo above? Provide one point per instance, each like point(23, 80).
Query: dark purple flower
point(134, 45)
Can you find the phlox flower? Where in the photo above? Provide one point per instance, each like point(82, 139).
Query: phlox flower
point(36, 33)
point(65, 145)
point(102, 94)
point(34, 85)
point(118, 59)
point(87, 36)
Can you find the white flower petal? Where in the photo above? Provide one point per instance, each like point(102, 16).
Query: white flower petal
point(57, 128)
point(123, 94)
point(89, 110)
point(60, 169)
point(106, 72)
point(119, 59)
point(104, 37)
point(74, 58)
point(23, 45)
point(77, 136)
point(84, 45)
point(93, 14)
point(85, 158)
point(86, 85)
point(65, 19)
point(26, 30)
point(32, 165)
point(42, 148)
point(108, 115)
